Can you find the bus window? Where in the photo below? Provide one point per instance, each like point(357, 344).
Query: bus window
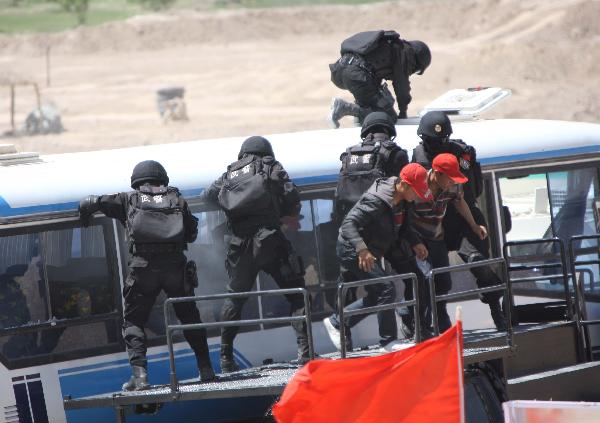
point(208, 251)
point(299, 230)
point(52, 291)
point(572, 195)
point(529, 205)
point(327, 234)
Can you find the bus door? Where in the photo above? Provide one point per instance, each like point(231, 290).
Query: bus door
point(547, 203)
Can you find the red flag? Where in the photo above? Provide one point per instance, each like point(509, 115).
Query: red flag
point(423, 383)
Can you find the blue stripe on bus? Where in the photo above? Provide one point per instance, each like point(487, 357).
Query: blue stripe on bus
point(106, 380)
point(7, 211)
point(205, 411)
point(125, 362)
point(540, 155)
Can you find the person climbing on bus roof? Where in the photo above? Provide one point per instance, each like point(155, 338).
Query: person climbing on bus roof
point(159, 225)
point(368, 58)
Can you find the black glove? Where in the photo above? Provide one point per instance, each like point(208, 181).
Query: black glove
point(87, 207)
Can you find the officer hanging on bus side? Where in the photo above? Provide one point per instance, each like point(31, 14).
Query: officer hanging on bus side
point(367, 59)
point(255, 192)
point(159, 225)
point(435, 129)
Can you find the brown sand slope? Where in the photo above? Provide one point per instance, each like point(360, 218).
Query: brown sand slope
point(265, 71)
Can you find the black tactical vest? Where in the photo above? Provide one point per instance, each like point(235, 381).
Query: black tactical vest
point(247, 189)
point(155, 218)
point(362, 164)
point(467, 161)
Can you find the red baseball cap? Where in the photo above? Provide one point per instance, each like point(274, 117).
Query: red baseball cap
point(447, 164)
point(415, 176)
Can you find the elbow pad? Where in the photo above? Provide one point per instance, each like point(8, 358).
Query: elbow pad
point(89, 205)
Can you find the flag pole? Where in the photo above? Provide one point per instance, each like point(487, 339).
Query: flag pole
point(461, 373)
point(458, 314)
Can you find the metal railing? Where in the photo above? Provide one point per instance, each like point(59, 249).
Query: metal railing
point(505, 286)
point(306, 317)
point(343, 287)
point(582, 319)
point(561, 264)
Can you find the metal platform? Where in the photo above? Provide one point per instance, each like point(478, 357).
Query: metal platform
point(257, 381)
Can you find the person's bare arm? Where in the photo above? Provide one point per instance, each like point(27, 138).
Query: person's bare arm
point(465, 212)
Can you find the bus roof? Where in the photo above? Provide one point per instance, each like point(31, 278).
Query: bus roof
point(59, 181)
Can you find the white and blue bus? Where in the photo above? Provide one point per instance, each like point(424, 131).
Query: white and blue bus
point(60, 283)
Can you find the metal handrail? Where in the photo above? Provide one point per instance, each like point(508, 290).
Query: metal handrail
point(582, 322)
point(562, 264)
point(233, 323)
point(472, 292)
point(60, 323)
point(344, 286)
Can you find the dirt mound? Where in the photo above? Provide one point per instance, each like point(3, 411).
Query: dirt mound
point(265, 70)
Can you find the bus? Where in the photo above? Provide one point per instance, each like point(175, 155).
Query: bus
point(61, 283)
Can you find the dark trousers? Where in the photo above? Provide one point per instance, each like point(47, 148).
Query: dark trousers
point(471, 248)
point(142, 286)
point(244, 260)
point(381, 293)
point(438, 257)
point(401, 266)
point(367, 92)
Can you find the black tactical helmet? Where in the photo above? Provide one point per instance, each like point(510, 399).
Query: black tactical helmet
point(146, 171)
point(434, 124)
point(422, 55)
point(256, 145)
point(375, 119)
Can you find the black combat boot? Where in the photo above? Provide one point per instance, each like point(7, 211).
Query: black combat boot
point(497, 315)
point(339, 109)
point(205, 367)
point(228, 364)
point(138, 380)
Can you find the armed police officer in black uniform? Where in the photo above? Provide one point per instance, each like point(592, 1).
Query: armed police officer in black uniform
point(376, 156)
point(435, 130)
point(367, 59)
point(255, 192)
point(159, 225)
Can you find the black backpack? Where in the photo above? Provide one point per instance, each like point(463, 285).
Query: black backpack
point(364, 43)
point(362, 164)
point(246, 188)
point(155, 216)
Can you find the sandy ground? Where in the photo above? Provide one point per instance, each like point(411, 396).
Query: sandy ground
point(264, 71)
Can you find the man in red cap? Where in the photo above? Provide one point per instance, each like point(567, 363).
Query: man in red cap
point(445, 182)
point(369, 232)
